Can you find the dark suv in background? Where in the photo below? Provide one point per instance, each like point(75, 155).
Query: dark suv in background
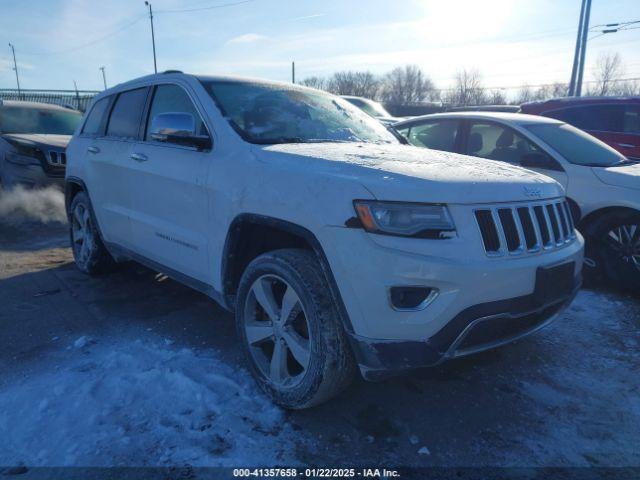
point(33, 140)
point(614, 120)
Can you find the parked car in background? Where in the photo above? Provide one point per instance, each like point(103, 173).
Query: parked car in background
point(335, 245)
point(614, 120)
point(485, 108)
point(33, 139)
point(373, 108)
point(603, 186)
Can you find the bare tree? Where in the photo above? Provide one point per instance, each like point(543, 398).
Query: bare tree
point(628, 88)
point(315, 82)
point(467, 89)
point(607, 72)
point(525, 94)
point(497, 97)
point(359, 84)
point(406, 85)
point(553, 90)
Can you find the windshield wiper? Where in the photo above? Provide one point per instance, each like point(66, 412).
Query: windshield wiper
point(626, 162)
point(278, 140)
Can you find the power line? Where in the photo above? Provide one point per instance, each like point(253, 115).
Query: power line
point(92, 42)
point(210, 7)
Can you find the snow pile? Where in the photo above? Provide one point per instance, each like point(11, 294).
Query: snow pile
point(44, 205)
point(137, 404)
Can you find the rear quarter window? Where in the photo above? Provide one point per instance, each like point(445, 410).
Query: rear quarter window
point(95, 120)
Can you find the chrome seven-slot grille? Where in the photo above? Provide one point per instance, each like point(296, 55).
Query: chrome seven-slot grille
point(57, 158)
point(525, 228)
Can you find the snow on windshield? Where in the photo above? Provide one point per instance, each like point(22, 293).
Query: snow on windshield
point(272, 113)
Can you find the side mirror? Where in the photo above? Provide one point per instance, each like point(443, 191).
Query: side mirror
point(178, 128)
point(539, 160)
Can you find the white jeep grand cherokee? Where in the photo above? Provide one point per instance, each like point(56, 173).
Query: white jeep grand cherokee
point(335, 245)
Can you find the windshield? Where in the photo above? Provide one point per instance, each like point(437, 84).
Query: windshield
point(269, 113)
point(576, 146)
point(369, 106)
point(35, 120)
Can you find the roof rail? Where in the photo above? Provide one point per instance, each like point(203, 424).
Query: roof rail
point(172, 71)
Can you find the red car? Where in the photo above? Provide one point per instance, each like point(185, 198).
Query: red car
point(614, 120)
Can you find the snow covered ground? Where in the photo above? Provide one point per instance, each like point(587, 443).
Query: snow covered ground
point(126, 402)
point(133, 369)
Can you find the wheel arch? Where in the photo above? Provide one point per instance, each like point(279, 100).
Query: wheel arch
point(585, 223)
point(73, 185)
point(251, 235)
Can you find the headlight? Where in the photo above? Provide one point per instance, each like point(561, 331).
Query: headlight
point(23, 154)
point(405, 219)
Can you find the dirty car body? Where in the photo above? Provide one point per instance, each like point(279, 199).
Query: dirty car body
point(396, 257)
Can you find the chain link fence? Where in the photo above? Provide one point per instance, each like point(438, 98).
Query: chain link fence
point(78, 99)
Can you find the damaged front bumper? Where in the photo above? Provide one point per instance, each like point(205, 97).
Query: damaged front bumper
point(475, 329)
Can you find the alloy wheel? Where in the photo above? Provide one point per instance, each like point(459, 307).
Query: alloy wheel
point(81, 233)
point(277, 331)
point(624, 243)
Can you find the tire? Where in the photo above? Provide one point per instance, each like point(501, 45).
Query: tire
point(89, 253)
point(303, 358)
point(613, 241)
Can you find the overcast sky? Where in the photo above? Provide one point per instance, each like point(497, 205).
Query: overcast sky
point(512, 42)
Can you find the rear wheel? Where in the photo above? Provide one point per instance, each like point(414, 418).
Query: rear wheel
point(290, 330)
point(89, 253)
point(615, 244)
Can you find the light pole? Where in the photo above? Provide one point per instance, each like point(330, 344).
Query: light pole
point(293, 72)
point(576, 56)
point(153, 38)
point(104, 78)
point(583, 50)
point(15, 67)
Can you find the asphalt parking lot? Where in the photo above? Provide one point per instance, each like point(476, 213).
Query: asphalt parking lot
point(132, 368)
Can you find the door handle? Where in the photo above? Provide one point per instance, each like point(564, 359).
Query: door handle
point(138, 157)
point(93, 149)
point(626, 145)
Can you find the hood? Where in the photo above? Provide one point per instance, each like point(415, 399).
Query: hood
point(407, 173)
point(623, 176)
point(39, 139)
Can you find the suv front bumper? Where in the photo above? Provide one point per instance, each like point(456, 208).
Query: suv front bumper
point(482, 302)
point(475, 329)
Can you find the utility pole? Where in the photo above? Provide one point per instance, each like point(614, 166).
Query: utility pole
point(583, 49)
point(576, 56)
point(104, 77)
point(153, 38)
point(293, 72)
point(15, 67)
point(75, 85)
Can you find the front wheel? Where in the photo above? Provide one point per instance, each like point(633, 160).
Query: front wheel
point(291, 331)
point(616, 245)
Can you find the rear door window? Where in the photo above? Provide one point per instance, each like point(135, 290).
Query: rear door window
point(498, 142)
point(437, 135)
point(127, 114)
point(597, 118)
point(94, 123)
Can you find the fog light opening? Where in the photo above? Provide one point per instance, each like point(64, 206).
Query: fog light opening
point(411, 298)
